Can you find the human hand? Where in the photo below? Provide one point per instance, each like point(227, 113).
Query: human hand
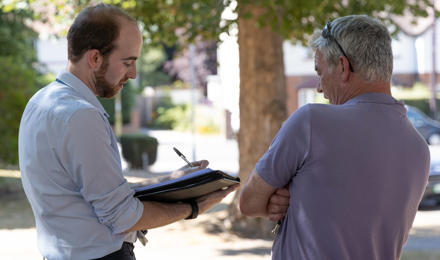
point(197, 165)
point(202, 164)
point(278, 204)
point(209, 200)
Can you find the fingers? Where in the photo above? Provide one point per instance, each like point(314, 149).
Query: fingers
point(231, 188)
point(280, 197)
point(202, 164)
point(208, 201)
point(278, 204)
point(277, 208)
point(220, 194)
point(283, 192)
point(275, 217)
point(197, 165)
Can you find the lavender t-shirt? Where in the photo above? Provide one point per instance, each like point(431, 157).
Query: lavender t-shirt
point(356, 173)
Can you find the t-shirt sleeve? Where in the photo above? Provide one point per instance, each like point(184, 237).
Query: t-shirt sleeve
point(288, 150)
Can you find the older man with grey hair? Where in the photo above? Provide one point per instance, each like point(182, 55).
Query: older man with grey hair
point(355, 169)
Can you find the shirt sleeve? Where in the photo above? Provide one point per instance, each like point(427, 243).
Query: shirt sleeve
point(88, 156)
point(288, 150)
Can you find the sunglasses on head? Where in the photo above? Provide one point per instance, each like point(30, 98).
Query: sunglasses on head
point(327, 34)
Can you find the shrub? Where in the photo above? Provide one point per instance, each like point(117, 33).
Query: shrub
point(134, 146)
point(18, 85)
point(176, 117)
point(18, 78)
point(168, 115)
point(422, 105)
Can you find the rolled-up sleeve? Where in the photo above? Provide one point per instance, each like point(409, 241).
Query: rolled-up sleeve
point(88, 155)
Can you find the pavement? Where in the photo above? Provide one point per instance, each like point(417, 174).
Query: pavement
point(221, 153)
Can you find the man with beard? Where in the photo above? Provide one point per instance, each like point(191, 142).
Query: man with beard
point(70, 165)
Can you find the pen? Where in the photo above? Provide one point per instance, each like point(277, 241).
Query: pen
point(183, 157)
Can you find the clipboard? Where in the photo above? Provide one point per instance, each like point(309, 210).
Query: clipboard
point(187, 187)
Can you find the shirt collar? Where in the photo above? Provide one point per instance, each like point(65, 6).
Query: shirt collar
point(74, 82)
point(378, 98)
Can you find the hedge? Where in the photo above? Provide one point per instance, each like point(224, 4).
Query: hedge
point(135, 145)
point(422, 105)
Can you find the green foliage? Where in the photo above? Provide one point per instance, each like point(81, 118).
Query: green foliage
point(16, 39)
point(171, 116)
point(18, 79)
point(422, 105)
point(127, 103)
point(417, 96)
point(18, 85)
point(295, 20)
point(135, 145)
point(168, 22)
point(151, 67)
point(173, 21)
point(176, 117)
point(162, 19)
point(418, 91)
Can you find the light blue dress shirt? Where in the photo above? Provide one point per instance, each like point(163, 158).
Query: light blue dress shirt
point(71, 173)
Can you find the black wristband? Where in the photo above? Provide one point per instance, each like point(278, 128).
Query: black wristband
point(194, 209)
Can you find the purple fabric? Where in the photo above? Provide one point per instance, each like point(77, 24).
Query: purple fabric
point(356, 173)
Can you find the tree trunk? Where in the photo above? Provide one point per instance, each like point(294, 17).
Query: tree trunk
point(262, 103)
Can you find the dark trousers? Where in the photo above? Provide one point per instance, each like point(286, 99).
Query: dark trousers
point(125, 253)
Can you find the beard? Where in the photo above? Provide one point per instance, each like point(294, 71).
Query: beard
point(103, 87)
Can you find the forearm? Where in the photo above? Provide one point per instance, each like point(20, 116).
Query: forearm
point(157, 214)
point(254, 197)
point(252, 207)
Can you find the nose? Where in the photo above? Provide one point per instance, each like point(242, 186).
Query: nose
point(318, 87)
point(132, 73)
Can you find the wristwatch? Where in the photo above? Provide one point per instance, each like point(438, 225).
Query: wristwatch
point(194, 208)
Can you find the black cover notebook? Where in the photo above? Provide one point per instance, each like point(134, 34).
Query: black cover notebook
point(190, 186)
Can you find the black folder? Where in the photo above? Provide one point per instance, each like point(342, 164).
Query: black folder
point(187, 187)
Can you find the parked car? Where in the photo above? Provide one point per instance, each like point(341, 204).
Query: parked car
point(427, 127)
point(431, 197)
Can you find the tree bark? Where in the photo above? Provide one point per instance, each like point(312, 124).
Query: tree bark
point(262, 103)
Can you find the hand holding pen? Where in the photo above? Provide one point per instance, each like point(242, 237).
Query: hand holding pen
point(183, 157)
point(202, 164)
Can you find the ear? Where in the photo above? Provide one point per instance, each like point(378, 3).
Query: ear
point(94, 58)
point(344, 68)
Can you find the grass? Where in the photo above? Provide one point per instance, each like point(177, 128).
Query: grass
point(15, 211)
point(10, 182)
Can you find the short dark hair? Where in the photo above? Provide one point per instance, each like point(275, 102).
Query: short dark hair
point(95, 27)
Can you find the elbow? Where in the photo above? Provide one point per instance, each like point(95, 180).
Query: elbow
point(246, 205)
point(243, 209)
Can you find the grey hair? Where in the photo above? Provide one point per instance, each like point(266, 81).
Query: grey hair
point(365, 40)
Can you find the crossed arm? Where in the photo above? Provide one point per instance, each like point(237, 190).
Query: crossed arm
point(260, 199)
